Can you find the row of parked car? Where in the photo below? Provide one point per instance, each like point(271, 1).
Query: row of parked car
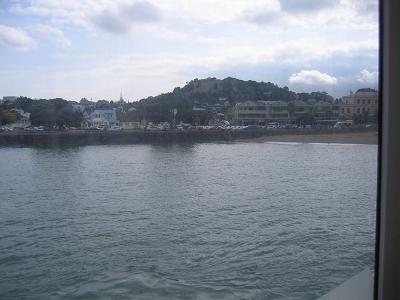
point(11, 129)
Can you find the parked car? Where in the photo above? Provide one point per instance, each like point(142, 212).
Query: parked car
point(252, 127)
point(291, 126)
point(152, 127)
point(272, 125)
point(115, 128)
point(7, 128)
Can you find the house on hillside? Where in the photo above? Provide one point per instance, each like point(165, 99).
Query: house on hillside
point(24, 119)
point(9, 99)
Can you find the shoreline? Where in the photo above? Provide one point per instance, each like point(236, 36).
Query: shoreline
point(82, 138)
point(366, 138)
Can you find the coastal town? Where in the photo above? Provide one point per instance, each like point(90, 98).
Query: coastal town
point(358, 109)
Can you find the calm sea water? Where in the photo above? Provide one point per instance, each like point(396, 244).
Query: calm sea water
point(204, 221)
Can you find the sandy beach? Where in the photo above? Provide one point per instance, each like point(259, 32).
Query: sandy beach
point(338, 138)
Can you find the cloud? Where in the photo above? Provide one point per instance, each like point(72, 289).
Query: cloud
point(305, 6)
point(121, 18)
point(49, 32)
point(312, 77)
point(367, 6)
point(367, 77)
point(142, 11)
point(198, 38)
point(111, 22)
point(71, 13)
point(15, 38)
point(260, 17)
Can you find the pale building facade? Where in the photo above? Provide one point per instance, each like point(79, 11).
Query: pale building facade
point(23, 120)
point(362, 102)
point(259, 112)
point(262, 112)
point(103, 117)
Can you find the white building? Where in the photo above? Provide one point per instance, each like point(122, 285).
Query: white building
point(9, 99)
point(24, 119)
point(103, 117)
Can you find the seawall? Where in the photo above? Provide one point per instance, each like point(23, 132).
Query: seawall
point(84, 137)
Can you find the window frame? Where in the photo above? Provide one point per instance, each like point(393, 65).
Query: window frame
point(387, 257)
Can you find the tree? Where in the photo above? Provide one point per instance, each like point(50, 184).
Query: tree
point(104, 104)
point(23, 103)
point(54, 112)
point(85, 101)
point(8, 117)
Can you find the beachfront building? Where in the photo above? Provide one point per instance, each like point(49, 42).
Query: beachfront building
point(103, 117)
point(199, 115)
point(362, 102)
point(129, 119)
point(298, 109)
point(251, 113)
point(277, 111)
point(261, 112)
point(130, 125)
point(326, 113)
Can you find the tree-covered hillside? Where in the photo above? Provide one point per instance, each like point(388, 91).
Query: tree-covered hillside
point(210, 91)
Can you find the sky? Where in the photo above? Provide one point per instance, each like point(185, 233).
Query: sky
point(100, 48)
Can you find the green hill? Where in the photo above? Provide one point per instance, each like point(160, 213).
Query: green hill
point(211, 91)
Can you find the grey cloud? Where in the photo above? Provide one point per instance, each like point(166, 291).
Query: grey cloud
point(111, 22)
point(259, 17)
point(141, 12)
point(305, 6)
point(367, 6)
point(121, 20)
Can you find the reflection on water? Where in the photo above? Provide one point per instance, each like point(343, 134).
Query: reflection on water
point(200, 221)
